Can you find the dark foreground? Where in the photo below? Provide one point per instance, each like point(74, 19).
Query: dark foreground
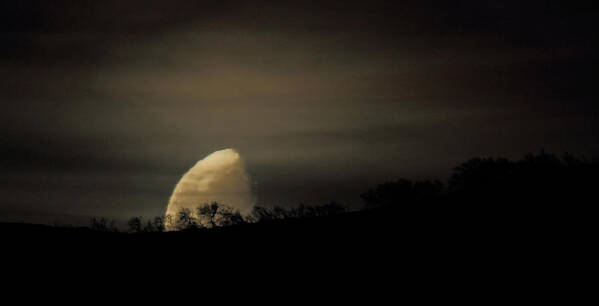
point(378, 246)
point(502, 230)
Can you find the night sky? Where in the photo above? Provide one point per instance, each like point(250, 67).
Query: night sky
point(105, 104)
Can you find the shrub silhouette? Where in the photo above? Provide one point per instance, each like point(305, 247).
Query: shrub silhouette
point(102, 225)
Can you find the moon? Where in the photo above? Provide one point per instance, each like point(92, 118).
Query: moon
point(219, 177)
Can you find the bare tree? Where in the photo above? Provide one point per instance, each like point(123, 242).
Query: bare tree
point(209, 212)
point(186, 220)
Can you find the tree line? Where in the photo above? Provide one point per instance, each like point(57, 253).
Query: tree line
point(216, 215)
point(537, 181)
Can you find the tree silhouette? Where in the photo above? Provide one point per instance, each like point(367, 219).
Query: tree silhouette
point(260, 213)
point(135, 225)
point(331, 209)
point(102, 225)
point(229, 217)
point(485, 175)
point(186, 220)
point(158, 224)
point(209, 212)
point(402, 191)
point(301, 211)
point(216, 214)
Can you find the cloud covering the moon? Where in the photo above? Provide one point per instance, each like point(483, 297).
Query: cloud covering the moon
point(219, 177)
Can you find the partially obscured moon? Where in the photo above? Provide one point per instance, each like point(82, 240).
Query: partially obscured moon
point(219, 177)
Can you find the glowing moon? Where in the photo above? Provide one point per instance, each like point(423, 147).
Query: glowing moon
point(220, 177)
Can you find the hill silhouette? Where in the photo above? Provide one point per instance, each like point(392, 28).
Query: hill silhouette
point(495, 217)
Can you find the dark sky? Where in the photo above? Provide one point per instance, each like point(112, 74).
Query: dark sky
point(105, 104)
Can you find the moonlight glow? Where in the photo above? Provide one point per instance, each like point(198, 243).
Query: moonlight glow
point(220, 177)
